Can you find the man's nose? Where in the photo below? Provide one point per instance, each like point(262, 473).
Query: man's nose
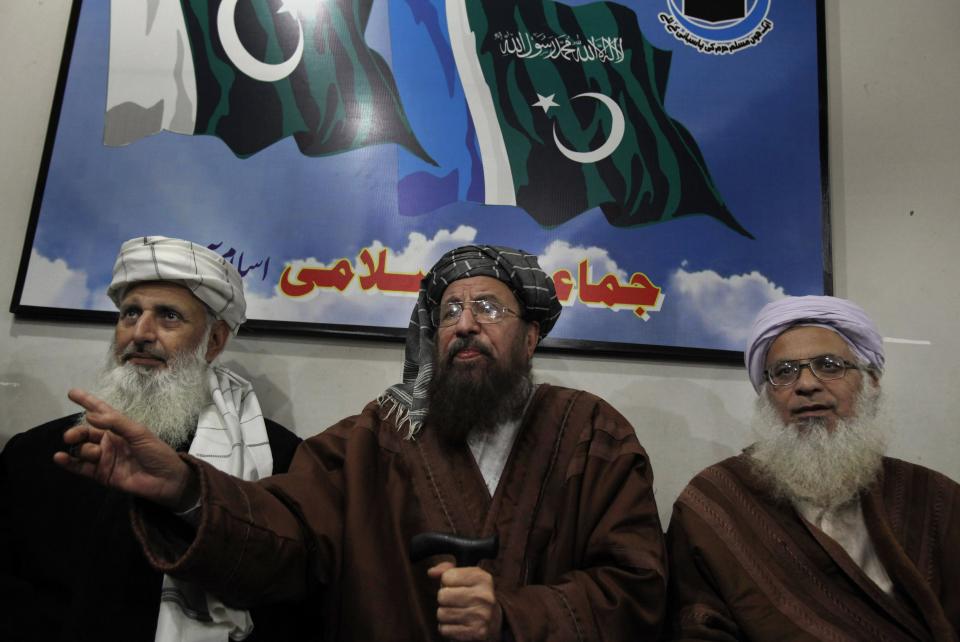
point(807, 382)
point(145, 330)
point(467, 323)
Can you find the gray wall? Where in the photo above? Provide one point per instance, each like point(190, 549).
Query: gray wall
point(894, 140)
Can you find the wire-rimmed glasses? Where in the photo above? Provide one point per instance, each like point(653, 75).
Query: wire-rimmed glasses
point(825, 367)
point(483, 310)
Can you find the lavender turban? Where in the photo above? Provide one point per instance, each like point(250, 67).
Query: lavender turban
point(202, 271)
point(520, 271)
point(840, 315)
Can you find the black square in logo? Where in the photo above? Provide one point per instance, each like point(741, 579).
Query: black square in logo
point(715, 10)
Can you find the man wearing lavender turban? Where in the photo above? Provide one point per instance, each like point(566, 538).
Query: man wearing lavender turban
point(812, 533)
point(179, 304)
point(843, 317)
point(466, 444)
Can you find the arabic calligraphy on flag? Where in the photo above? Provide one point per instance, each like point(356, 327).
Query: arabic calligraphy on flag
point(252, 73)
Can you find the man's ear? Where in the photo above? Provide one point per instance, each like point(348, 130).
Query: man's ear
point(532, 338)
point(219, 335)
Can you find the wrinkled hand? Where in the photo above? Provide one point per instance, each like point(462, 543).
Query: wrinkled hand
point(468, 608)
point(118, 452)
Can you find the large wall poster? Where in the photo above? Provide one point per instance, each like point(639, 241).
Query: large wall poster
point(665, 158)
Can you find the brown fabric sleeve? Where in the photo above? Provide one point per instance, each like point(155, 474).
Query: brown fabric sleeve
point(257, 542)
point(696, 611)
point(246, 546)
point(617, 590)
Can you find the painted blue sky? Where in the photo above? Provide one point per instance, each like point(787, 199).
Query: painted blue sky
point(753, 114)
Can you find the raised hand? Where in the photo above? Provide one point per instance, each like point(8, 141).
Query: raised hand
point(118, 452)
point(468, 608)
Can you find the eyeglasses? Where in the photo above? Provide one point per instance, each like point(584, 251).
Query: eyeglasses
point(826, 367)
point(483, 310)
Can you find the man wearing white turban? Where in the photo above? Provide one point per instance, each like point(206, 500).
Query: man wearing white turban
point(179, 303)
point(812, 533)
point(466, 444)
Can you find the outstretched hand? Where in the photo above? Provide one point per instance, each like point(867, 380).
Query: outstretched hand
point(116, 451)
point(468, 608)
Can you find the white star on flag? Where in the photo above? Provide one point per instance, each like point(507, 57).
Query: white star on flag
point(545, 102)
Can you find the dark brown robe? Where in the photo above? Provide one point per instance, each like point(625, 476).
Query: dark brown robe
point(581, 548)
point(746, 567)
point(71, 569)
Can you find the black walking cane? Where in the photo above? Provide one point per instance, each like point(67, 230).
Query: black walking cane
point(467, 551)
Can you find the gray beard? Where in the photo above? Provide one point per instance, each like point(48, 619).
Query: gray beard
point(166, 400)
point(806, 462)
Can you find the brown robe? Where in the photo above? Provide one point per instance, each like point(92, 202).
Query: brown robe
point(581, 547)
point(746, 567)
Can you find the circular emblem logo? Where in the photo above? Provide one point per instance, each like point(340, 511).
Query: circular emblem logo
point(718, 26)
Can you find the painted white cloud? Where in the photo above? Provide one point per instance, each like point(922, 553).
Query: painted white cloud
point(54, 284)
point(354, 305)
point(560, 254)
point(724, 306)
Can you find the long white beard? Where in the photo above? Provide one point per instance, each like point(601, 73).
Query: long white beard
point(166, 400)
point(808, 462)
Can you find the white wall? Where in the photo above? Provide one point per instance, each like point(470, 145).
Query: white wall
point(894, 140)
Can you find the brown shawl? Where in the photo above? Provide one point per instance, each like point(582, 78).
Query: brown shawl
point(745, 567)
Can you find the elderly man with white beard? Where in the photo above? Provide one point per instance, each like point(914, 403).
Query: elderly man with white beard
point(70, 566)
point(812, 533)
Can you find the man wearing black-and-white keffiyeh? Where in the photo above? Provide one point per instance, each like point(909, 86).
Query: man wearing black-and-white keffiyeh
point(179, 304)
point(468, 444)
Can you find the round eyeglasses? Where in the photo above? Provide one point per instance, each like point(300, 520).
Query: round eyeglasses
point(825, 367)
point(483, 310)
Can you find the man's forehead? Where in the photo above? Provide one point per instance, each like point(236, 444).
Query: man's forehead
point(160, 293)
point(805, 341)
point(474, 286)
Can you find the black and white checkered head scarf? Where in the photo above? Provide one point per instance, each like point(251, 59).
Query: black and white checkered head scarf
point(519, 270)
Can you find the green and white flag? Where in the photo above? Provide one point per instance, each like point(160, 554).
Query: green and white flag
point(568, 105)
point(251, 72)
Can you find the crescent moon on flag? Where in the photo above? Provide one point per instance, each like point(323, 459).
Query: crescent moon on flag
point(617, 129)
point(241, 58)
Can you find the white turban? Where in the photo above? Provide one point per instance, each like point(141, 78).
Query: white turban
point(844, 317)
point(204, 272)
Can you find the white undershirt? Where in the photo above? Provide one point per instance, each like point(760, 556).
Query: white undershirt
point(491, 449)
point(845, 525)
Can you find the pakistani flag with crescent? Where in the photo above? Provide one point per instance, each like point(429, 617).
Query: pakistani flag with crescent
point(252, 72)
point(568, 108)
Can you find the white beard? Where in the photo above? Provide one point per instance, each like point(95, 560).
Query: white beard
point(166, 400)
point(807, 462)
